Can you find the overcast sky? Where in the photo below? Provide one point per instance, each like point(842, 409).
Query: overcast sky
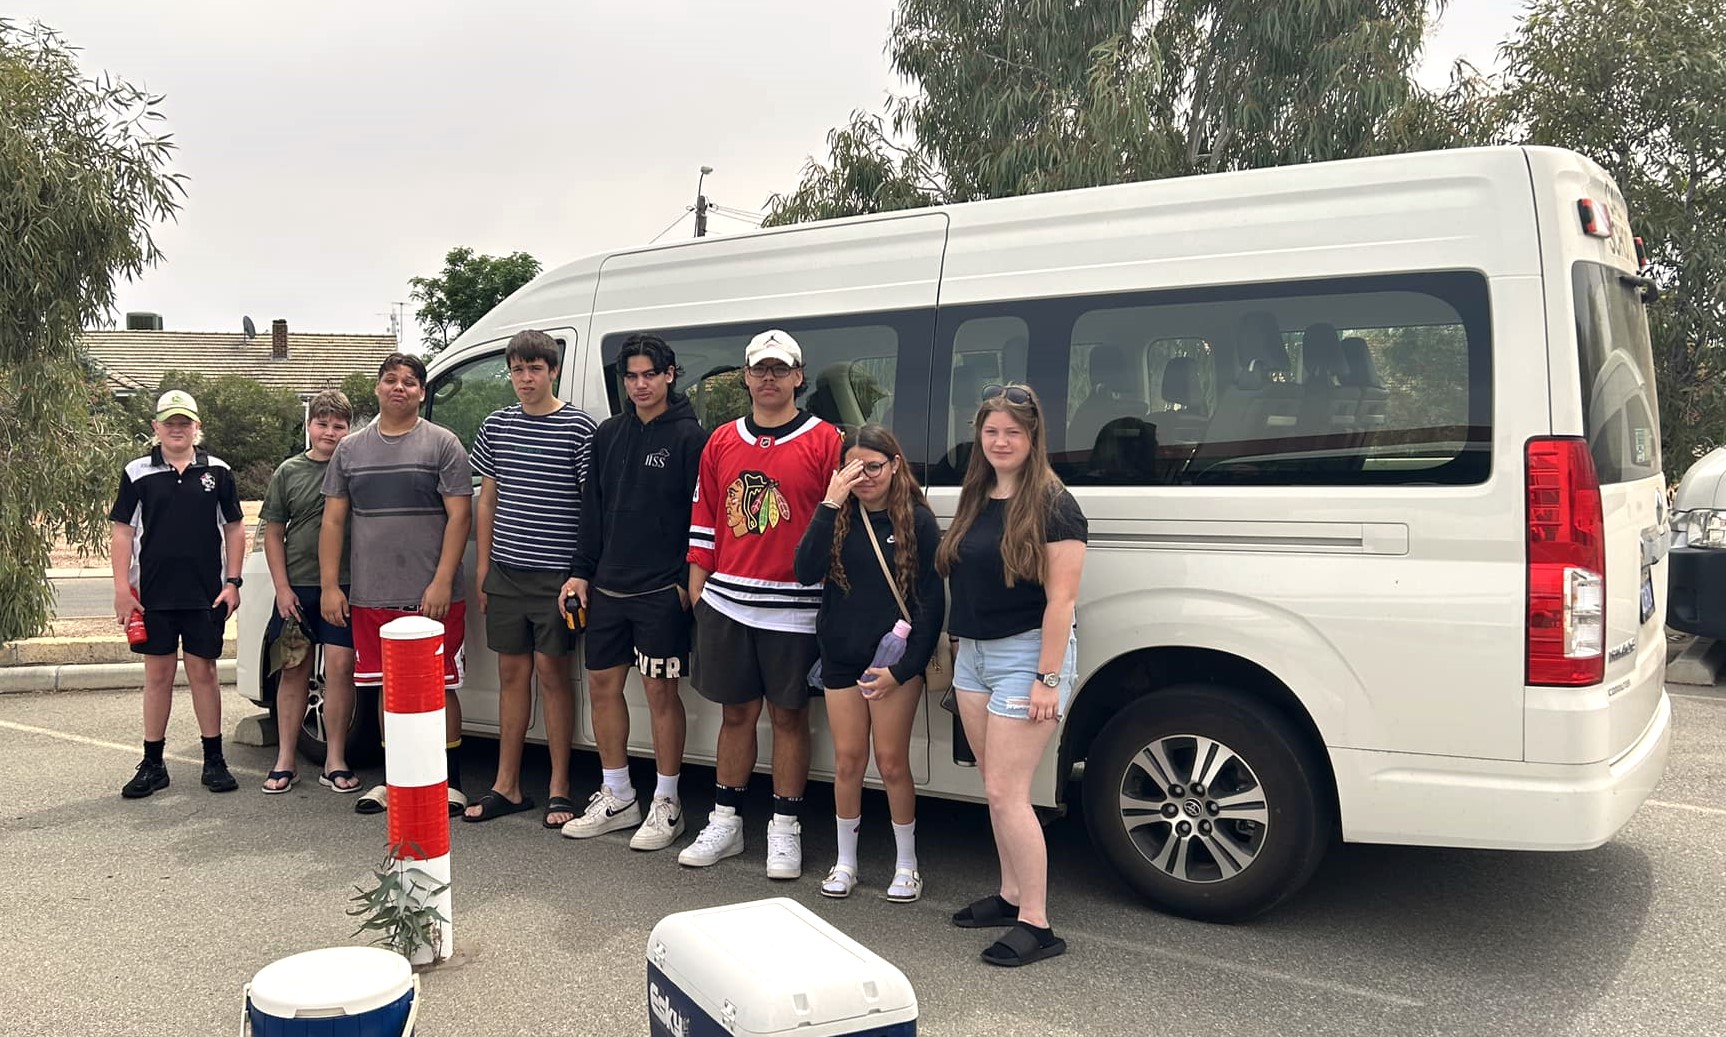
point(336, 149)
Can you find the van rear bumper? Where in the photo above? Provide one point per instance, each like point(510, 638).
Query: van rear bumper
point(1696, 591)
point(1497, 804)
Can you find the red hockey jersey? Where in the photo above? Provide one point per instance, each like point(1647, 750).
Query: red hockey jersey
point(754, 497)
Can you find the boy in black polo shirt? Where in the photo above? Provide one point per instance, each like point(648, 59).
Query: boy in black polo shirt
point(179, 509)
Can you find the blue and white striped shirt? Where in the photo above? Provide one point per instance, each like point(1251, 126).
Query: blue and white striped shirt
point(538, 462)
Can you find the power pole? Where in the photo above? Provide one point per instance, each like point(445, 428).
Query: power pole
point(701, 204)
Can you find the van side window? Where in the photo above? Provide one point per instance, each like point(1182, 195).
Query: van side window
point(1617, 364)
point(987, 350)
point(852, 366)
point(1363, 380)
point(461, 398)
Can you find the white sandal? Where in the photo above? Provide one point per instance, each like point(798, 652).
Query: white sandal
point(907, 886)
point(839, 882)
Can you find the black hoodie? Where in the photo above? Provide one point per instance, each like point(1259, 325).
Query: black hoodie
point(635, 502)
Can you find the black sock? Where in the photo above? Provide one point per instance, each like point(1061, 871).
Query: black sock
point(1045, 935)
point(452, 760)
point(728, 796)
point(212, 748)
point(153, 750)
point(790, 806)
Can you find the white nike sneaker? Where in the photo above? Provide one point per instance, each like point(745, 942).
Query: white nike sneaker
point(604, 813)
point(784, 849)
point(663, 825)
point(722, 838)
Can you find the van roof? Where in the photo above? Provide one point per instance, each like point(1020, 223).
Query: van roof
point(1225, 214)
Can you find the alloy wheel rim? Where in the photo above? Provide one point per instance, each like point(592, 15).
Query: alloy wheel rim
point(1194, 809)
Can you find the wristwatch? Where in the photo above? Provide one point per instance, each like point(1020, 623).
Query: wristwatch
point(236, 581)
point(1052, 680)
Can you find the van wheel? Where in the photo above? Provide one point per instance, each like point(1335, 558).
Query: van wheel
point(1207, 802)
point(365, 746)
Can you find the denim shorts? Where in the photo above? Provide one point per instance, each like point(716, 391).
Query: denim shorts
point(1004, 668)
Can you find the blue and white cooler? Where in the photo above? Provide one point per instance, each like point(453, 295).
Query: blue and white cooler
point(335, 992)
point(767, 968)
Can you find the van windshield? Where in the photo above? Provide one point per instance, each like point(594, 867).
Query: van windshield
point(1619, 412)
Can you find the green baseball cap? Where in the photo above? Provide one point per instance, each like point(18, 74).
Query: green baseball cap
point(175, 402)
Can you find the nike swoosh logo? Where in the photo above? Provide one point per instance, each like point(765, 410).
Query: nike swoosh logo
point(613, 813)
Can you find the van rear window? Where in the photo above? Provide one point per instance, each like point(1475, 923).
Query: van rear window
point(1620, 415)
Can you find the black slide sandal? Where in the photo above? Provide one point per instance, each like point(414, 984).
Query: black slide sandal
point(493, 805)
point(560, 805)
point(1020, 946)
point(986, 913)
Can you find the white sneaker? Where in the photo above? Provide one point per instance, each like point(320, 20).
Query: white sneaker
point(784, 849)
point(722, 838)
point(604, 813)
point(663, 825)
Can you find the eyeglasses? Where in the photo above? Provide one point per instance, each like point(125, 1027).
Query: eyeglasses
point(777, 372)
point(873, 468)
point(1015, 394)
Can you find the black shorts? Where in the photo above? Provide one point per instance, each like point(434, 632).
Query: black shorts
point(198, 630)
point(320, 630)
point(649, 630)
point(736, 663)
point(521, 613)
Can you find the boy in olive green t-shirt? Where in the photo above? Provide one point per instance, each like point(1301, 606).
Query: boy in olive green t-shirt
point(293, 514)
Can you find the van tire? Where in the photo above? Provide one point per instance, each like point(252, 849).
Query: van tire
point(365, 741)
point(1268, 754)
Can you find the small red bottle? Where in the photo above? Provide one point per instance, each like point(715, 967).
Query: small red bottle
point(136, 633)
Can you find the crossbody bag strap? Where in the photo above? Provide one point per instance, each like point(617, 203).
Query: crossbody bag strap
point(892, 584)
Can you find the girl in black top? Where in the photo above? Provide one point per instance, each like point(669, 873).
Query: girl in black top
point(1014, 554)
point(857, 608)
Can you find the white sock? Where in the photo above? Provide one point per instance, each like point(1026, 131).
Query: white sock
point(848, 828)
point(617, 780)
point(666, 788)
point(905, 838)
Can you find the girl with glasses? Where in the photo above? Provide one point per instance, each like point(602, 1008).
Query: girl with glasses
point(873, 522)
point(1014, 554)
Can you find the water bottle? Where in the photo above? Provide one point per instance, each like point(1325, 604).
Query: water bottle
point(890, 650)
point(136, 632)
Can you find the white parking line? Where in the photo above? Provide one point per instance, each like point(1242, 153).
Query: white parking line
point(1691, 807)
point(67, 736)
point(1695, 698)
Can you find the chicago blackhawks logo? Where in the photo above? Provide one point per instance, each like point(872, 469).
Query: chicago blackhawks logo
point(753, 504)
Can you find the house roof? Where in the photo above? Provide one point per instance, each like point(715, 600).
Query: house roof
point(136, 360)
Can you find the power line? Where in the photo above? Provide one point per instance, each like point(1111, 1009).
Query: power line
point(734, 211)
point(668, 227)
point(753, 221)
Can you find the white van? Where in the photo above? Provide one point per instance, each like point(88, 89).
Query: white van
point(1369, 455)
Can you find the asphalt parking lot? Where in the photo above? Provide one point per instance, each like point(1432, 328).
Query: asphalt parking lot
point(147, 917)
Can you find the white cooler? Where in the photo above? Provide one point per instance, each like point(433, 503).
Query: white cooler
point(770, 967)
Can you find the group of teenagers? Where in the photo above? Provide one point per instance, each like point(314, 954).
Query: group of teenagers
point(772, 556)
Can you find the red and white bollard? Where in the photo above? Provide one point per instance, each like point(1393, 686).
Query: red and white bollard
point(414, 763)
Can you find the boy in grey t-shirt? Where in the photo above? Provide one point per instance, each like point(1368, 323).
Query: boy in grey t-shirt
point(409, 487)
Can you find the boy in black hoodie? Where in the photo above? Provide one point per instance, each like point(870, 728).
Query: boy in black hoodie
point(629, 573)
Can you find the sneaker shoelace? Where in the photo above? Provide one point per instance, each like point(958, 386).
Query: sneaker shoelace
point(783, 845)
point(714, 836)
point(661, 814)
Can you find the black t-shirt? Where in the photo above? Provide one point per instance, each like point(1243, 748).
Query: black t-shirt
point(984, 607)
point(177, 518)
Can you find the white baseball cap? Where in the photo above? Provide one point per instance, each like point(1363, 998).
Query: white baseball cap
point(773, 344)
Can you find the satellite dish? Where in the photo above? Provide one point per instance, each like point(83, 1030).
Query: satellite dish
point(250, 329)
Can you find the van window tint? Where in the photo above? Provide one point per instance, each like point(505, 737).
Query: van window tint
point(1619, 411)
point(987, 350)
point(461, 398)
point(851, 364)
point(1380, 380)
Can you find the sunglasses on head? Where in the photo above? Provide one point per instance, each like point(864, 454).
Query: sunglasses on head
point(1015, 394)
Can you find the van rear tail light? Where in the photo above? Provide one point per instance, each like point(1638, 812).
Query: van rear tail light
point(1596, 220)
point(1566, 629)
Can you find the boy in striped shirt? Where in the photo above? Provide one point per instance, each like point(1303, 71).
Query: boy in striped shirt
point(760, 481)
point(532, 457)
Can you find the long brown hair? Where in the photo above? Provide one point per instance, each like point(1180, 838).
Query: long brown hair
point(904, 497)
point(1023, 554)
